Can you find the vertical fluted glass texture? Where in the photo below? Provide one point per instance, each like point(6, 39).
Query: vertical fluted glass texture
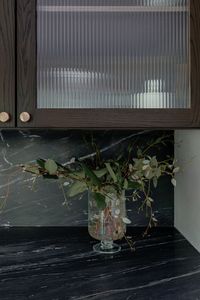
point(113, 54)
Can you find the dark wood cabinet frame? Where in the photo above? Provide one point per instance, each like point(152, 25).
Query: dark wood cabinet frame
point(7, 60)
point(97, 118)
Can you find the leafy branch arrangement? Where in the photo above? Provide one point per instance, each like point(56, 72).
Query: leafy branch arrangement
point(135, 174)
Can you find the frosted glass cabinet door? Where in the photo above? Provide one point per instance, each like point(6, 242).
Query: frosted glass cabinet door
point(113, 54)
point(109, 63)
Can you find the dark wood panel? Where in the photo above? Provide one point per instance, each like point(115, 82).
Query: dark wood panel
point(195, 59)
point(111, 118)
point(26, 56)
point(7, 60)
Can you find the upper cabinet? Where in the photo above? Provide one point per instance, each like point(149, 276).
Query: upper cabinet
point(7, 63)
point(103, 63)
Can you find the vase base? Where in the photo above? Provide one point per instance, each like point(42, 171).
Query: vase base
point(106, 247)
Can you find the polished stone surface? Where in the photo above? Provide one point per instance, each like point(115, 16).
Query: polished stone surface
point(40, 204)
point(58, 264)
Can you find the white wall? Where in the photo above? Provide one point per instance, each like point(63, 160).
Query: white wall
point(187, 192)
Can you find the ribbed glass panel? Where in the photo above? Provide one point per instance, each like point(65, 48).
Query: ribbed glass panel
point(113, 54)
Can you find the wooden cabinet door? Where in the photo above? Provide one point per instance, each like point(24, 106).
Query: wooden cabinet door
point(97, 43)
point(7, 63)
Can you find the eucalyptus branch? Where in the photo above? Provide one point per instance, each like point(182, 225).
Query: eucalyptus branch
point(108, 178)
point(156, 142)
point(113, 145)
point(149, 223)
point(130, 242)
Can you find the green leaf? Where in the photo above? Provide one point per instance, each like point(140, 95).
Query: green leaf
point(126, 220)
point(173, 181)
point(125, 186)
point(154, 162)
point(133, 185)
point(41, 162)
point(89, 173)
point(158, 172)
point(51, 166)
point(76, 188)
point(100, 173)
point(111, 172)
point(109, 189)
point(100, 201)
point(155, 182)
point(176, 170)
point(148, 203)
point(149, 174)
point(139, 152)
point(119, 157)
point(78, 174)
point(120, 177)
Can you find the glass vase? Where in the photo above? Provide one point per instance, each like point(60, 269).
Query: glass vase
point(106, 224)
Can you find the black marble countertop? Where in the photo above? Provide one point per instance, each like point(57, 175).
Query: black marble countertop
point(58, 263)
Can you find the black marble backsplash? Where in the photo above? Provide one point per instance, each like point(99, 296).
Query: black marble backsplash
point(41, 204)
